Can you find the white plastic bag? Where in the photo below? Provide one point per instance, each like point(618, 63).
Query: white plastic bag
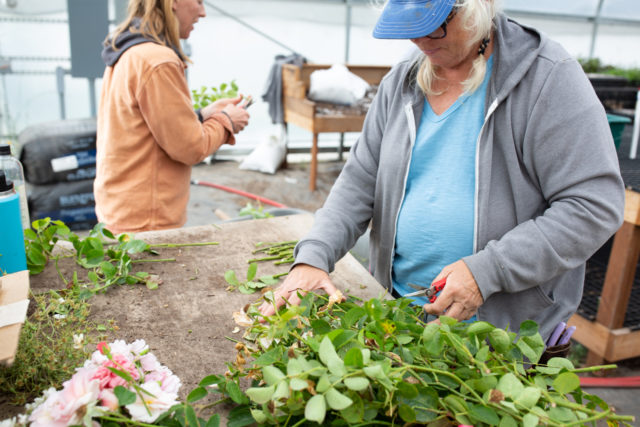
point(336, 85)
point(268, 155)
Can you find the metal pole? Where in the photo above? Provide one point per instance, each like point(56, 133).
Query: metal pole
point(347, 42)
point(594, 31)
point(60, 87)
point(92, 96)
point(255, 30)
point(636, 129)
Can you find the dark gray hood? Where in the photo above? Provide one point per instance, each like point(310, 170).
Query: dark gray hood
point(124, 41)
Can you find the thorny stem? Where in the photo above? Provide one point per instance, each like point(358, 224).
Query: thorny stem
point(66, 282)
point(137, 261)
point(120, 418)
point(181, 245)
point(276, 245)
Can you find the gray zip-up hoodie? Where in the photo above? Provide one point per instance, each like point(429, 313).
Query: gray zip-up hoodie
point(548, 187)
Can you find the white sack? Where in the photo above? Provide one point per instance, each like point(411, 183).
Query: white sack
point(267, 156)
point(336, 85)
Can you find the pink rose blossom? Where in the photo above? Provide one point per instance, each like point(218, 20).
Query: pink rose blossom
point(110, 380)
point(109, 400)
point(157, 402)
point(69, 405)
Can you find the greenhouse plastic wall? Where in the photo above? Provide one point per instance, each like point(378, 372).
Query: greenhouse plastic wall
point(34, 39)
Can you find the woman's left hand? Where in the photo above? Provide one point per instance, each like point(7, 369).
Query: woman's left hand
point(460, 297)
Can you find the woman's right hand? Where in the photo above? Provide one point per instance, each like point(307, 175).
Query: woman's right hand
point(238, 115)
point(302, 278)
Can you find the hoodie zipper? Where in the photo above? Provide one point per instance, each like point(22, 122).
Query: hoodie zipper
point(490, 111)
point(411, 122)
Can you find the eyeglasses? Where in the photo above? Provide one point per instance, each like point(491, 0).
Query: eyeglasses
point(441, 32)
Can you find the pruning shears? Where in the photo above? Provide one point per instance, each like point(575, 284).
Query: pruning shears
point(429, 292)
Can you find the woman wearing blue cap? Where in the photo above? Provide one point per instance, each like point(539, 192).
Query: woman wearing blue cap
point(486, 159)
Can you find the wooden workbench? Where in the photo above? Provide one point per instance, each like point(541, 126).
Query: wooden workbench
point(186, 319)
point(606, 337)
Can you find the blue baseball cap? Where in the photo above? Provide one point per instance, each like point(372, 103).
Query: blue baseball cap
point(411, 19)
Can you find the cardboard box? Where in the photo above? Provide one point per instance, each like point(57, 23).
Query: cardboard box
point(14, 301)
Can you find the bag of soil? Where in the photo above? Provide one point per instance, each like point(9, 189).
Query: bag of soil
point(73, 203)
point(62, 151)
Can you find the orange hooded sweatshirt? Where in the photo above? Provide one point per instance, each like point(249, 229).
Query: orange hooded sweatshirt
point(148, 138)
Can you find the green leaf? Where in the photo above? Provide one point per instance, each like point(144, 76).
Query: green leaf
point(197, 394)
point(230, 278)
point(343, 338)
point(407, 390)
point(337, 400)
point(330, 358)
point(429, 332)
point(404, 339)
point(320, 326)
point(484, 414)
point(269, 357)
point(528, 328)
point(528, 397)
point(294, 367)
point(122, 374)
point(261, 394)
point(298, 384)
point(315, 409)
point(374, 371)
point(354, 315)
point(211, 379)
point(125, 397)
point(272, 375)
point(259, 416)
point(566, 382)
point(480, 327)
point(234, 392)
point(500, 340)
point(192, 418)
point(356, 383)
point(282, 391)
point(407, 413)
point(508, 421)
point(323, 384)
point(251, 271)
point(354, 358)
point(240, 417)
point(510, 385)
point(560, 362)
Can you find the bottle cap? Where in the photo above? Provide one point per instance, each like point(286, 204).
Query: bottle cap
point(5, 149)
point(5, 184)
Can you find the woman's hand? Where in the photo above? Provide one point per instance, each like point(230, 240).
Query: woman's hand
point(233, 108)
point(302, 278)
point(238, 115)
point(460, 297)
point(217, 106)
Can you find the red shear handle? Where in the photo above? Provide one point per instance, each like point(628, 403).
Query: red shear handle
point(437, 287)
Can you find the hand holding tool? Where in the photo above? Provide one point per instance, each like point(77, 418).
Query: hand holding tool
point(430, 291)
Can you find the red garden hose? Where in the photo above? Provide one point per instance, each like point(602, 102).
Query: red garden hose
point(612, 382)
point(239, 192)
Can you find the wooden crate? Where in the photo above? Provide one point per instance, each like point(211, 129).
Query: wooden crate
point(14, 301)
point(301, 111)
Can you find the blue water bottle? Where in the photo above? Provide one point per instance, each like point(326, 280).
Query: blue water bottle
point(12, 253)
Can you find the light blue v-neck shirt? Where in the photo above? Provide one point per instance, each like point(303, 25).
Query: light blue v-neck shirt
point(436, 221)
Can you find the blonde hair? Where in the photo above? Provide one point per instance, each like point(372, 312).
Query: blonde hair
point(477, 17)
point(157, 21)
